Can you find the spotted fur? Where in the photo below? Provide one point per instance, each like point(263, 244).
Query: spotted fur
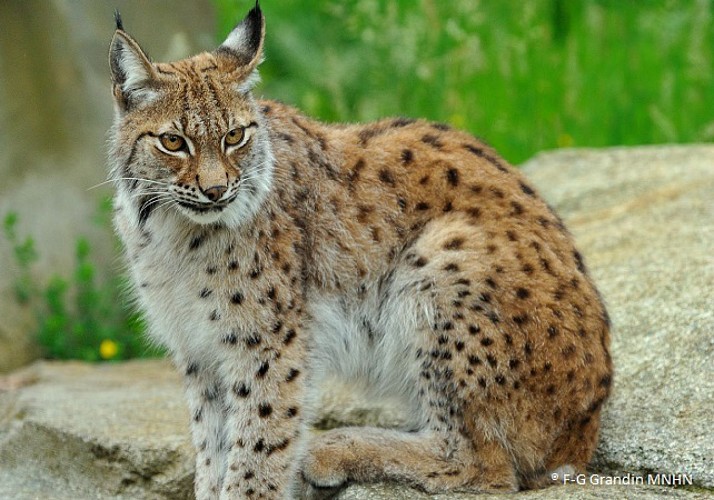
point(269, 250)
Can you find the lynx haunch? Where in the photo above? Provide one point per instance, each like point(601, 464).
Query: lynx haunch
point(269, 251)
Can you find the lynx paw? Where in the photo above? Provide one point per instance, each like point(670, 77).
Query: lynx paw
point(324, 465)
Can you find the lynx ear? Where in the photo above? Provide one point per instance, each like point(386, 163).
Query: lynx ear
point(133, 75)
point(243, 49)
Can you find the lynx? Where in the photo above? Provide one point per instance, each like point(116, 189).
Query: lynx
point(269, 251)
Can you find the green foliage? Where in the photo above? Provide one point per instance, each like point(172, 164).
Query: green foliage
point(76, 317)
point(527, 76)
point(25, 254)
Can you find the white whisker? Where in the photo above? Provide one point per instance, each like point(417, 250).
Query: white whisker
point(128, 179)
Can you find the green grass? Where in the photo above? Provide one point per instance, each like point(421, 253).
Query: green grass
point(525, 75)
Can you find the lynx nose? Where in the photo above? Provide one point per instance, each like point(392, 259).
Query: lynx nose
point(214, 193)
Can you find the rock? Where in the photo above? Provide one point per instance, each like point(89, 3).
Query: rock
point(643, 217)
point(95, 431)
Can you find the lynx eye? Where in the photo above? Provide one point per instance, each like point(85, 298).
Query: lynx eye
point(235, 137)
point(172, 142)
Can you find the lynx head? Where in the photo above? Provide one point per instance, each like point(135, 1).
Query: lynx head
point(188, 136)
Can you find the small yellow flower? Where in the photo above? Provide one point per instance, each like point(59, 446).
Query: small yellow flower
point(108, 349)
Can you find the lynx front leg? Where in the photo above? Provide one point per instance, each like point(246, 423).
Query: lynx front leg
point(205, 395)
point(265, 418)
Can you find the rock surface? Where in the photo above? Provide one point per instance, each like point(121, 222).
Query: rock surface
point(643, 217)
point(75, 431)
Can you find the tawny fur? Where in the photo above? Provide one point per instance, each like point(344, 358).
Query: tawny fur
point(401, 254)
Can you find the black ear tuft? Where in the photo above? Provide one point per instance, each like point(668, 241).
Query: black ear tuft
point(117, 18)
point(244, 44)
point(254, 21)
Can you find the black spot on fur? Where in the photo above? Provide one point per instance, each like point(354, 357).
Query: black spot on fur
point(527, 189)
point(480, 153)
point(386, 176)
point(263, 369)
point(355, 173)
point(520, 319)
point(454, 244)
point(452, 177)
point(241, 390)
point(528, 348)
point(402, 122)
point(368, 133)
point(253, 340)
point(289, 337)
point(265, 410)
point(231, 339)
point(407, 156)
point(278, 447)
point(421, 262)
point(432, 141)
point(196, 242)
point(579, 261)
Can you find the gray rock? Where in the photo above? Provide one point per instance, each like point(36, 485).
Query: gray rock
point(95, 431)
point(644, 218)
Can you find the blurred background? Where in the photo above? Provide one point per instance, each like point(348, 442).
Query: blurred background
point(525, 76)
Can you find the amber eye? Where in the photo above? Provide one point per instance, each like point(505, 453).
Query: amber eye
point(172, 142)
point(235, 136)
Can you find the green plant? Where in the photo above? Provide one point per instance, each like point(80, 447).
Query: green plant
point(76, 317)
point(24, 254)
point(528, 76)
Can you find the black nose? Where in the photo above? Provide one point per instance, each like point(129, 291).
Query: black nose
point(214, 193)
